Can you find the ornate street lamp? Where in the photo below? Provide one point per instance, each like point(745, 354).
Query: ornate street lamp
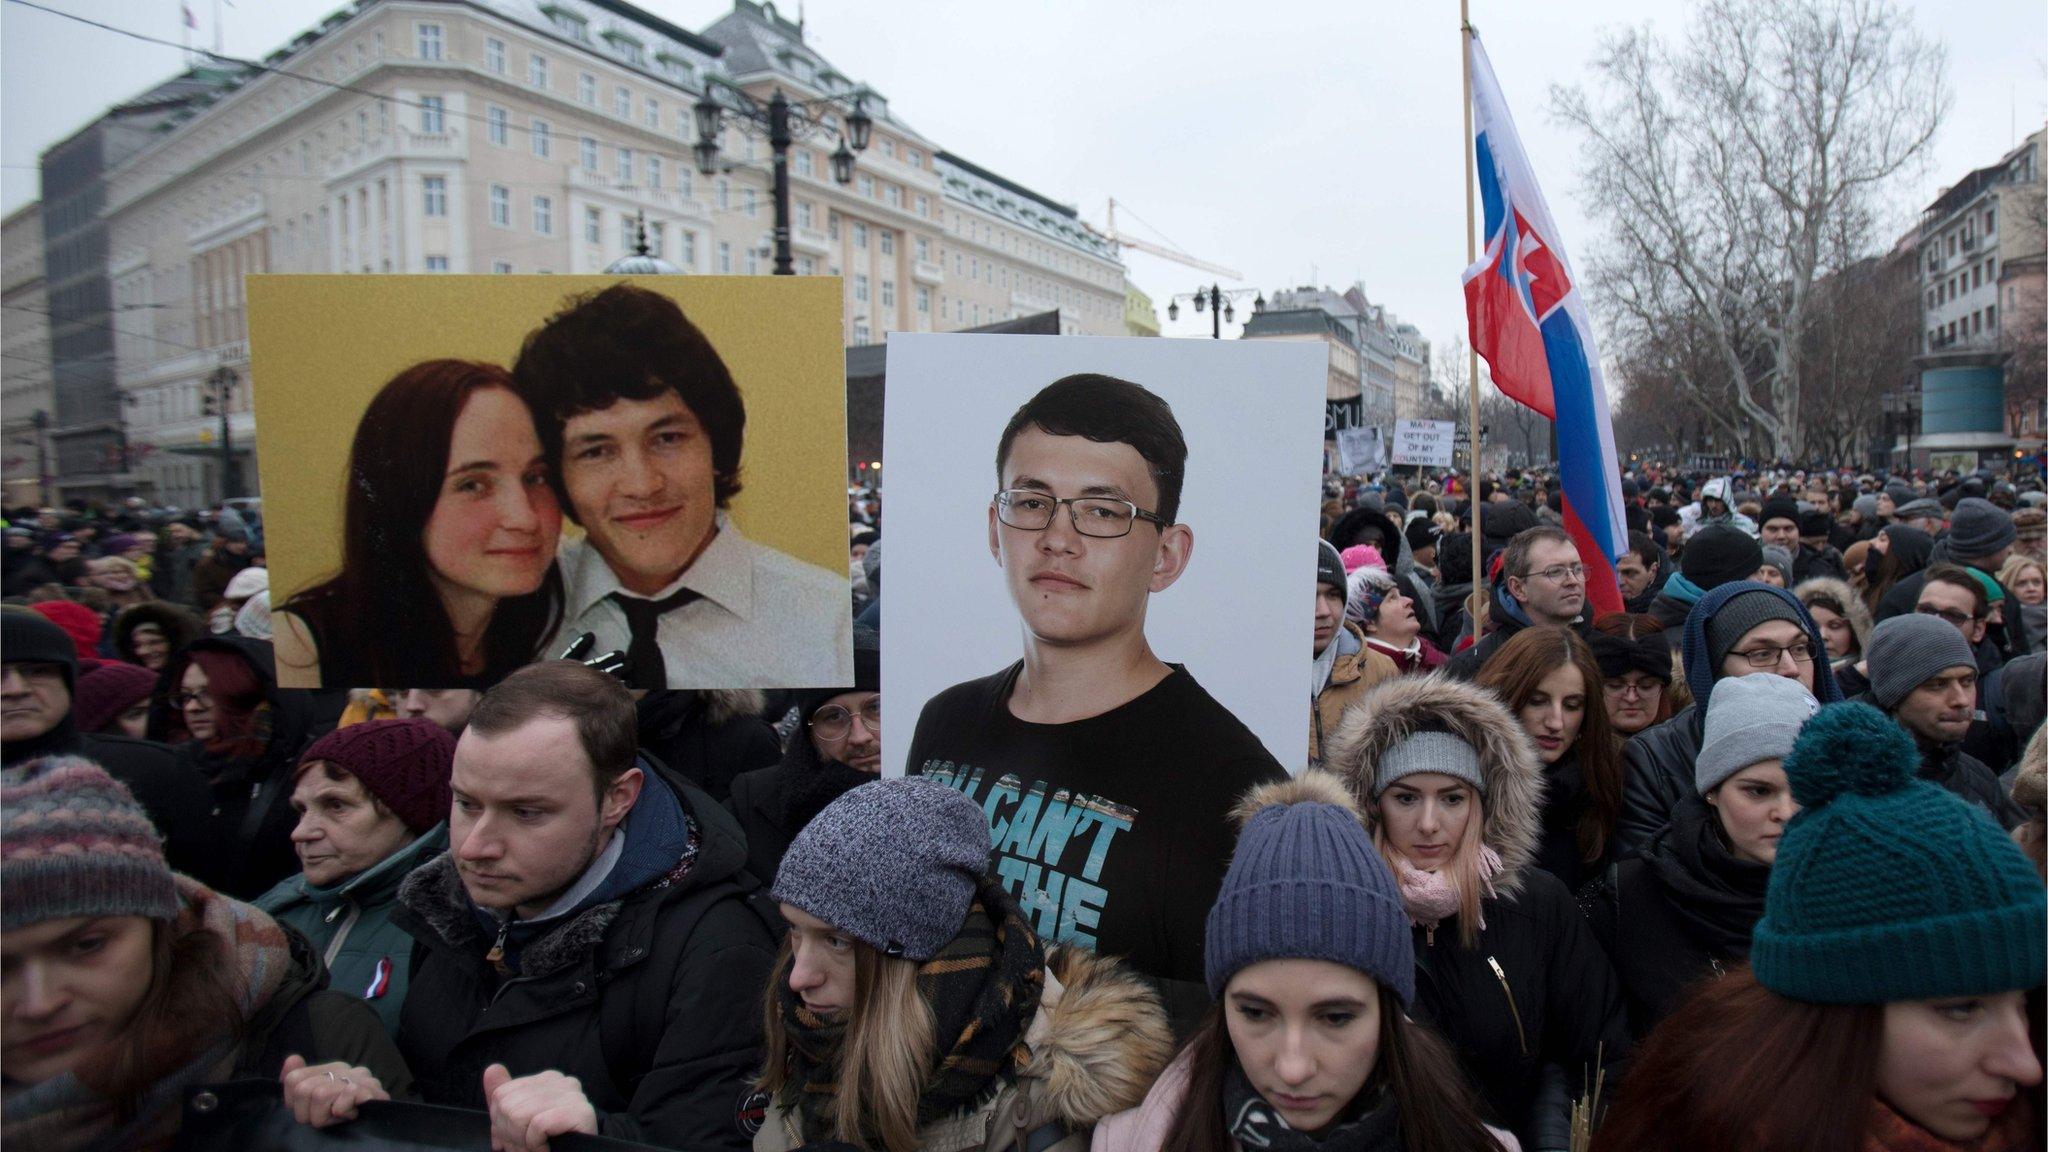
point(785, 121)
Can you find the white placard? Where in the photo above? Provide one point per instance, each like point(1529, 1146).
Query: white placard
point(1425, 443)
point(1360, 450)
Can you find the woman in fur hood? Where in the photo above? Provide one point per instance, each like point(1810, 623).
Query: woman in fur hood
point(1309, 1047)
point(915, 1010)
point(1506, 969)
point(1843, 618)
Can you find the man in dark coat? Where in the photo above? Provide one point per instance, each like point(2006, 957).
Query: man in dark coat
point(1980, 536)
point(1742, 628)
point(591, 936)
point(1816, 556)
point(1541, 582)
point(1923, 675)
point(708, 736)
point(41, 672)
point(1714, 556)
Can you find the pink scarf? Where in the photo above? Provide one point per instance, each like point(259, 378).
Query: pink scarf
point(1429, 897)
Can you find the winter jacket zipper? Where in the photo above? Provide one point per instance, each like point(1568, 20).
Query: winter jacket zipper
point(355, 913)
point(1513, 1012)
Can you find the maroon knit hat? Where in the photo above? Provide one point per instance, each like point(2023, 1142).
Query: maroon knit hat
point(403, 763)
point(105, 689)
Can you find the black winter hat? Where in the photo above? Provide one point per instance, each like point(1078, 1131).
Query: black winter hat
point(1329, 565)
point(1815, 523)
point(1421, 534)
point(30, 638)
point(1719, 555)
point(1778, 508)
point(1454, 558)
point(1500, 523)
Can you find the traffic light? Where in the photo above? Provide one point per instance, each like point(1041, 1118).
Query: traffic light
point(209, 402)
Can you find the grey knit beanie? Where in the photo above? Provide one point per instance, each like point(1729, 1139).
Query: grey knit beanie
point(1329, 565)
point(1866, 505)
point(1780, 559)
point(1438, 752)
point(74, 843)
point(1908, 651)
point(1979, 528)
point(1750, 719)
point(1743, 611)
point(893, 863)
point(1306, 883)
point(1900, 492)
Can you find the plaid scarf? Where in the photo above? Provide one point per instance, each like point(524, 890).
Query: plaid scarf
point(73, 1111)
point(983, 990)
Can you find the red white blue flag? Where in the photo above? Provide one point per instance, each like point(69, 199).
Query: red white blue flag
point(1530, 322)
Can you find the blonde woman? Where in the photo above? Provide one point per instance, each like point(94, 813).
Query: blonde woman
point(2027, 580)
point(1506, 969)
point(914, 1008)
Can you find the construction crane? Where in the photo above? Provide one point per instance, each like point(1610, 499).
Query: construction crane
point(1158, 250)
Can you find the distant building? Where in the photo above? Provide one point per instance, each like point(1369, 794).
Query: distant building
point(1140, 317)
point(492, 136)
point(1980, 259)
point(25, 396)
point(1379, 365)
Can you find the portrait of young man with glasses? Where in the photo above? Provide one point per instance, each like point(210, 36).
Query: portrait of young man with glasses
point(1107, 772)
point(1542, 581)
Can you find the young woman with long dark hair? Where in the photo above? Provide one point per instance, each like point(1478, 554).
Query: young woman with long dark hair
point(1896, 552)
point(1309, 1047)
point(449, 527)
point(1548, 678)
point(1506, 970)
point(1892, 1002)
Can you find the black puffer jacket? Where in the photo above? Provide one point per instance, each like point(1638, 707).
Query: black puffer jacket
point(652, 1000)
point(1534, 989)
point(1681, 912)
point(773, 804)
point(708, 736)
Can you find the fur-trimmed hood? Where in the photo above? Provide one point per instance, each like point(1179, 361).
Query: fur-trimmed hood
point(1097, 1047)
point(1836, 592)
point(1399, 708)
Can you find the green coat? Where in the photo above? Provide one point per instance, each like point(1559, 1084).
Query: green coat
point(350, 924)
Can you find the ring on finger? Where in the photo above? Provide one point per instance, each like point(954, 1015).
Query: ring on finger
point(330, 1075)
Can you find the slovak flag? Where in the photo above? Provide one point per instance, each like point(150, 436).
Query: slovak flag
point(1529, 321)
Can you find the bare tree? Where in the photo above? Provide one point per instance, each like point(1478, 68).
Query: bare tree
point(1514, 435)
point(1738, 167)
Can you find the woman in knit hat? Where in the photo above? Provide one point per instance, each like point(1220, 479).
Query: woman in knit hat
point(1505, 968)
point(915, 1008)
point(1385, 614)
point(1635, 671)
point(1843, 618)
point(112, 698)
point(1686, 907)
point(1885, 1007)
point(1548, 678)
point(1309, 1046)
point(372, 801)
point(123, 983)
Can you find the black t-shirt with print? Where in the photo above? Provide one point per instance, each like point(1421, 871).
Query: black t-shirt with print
point(1112, 832)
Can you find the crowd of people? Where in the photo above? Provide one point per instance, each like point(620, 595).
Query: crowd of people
point(1758, 862)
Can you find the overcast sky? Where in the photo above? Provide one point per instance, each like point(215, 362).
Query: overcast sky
point(1297, 143)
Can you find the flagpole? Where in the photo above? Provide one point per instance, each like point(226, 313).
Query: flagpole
point(1476, 604)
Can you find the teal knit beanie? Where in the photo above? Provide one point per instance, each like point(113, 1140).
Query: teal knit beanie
point(1887, 887)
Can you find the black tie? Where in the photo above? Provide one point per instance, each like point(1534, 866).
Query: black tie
point(644, 666)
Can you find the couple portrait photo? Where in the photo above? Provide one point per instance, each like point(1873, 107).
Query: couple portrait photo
point(495, 467)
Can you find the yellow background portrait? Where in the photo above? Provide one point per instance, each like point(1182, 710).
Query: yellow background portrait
point(320, 347)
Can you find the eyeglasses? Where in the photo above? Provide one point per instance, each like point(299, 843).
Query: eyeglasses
point(833, 722)
point(184, 700)
point(1801, 653)
point(1559, 573)
point(1102, 517)
point(1625, 689)
point(1955, 616)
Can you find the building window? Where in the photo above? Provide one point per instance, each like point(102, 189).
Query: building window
point(429, 41)
point(725, 257)
point(494, 55)
point(924, 207)
point(913, 157)
point(689, 252)
point(655, 238)
point(867, 187)
point(924, 250)
point(860, 234)
point(860, 332)
point(502, 267)
point(497, 121)
point(543, 215)
point(803, 162)
point(724, 193)
point(588, 148)
point(860, 287)
point(627, 235)
point(435, 198)
point(586, 88)
point(804, 214)
point(888, 242)
point(571, 24)
point(537, 70)
point(683, 182)
point(540, 138)
point(888, 293)
point(651, 114)
point(752, 206)
point(622, 102)
point(654, 172)
point(433, 119)
point(437, 263)
point(892, 195)
point(625, 166)
point(501, 206)
point(924, 300)
point(889, 148)
point(753, 260)
point(593, 225)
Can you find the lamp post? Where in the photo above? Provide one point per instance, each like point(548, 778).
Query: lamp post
point(219, 398)
point(785, 121)
point(1218, 303)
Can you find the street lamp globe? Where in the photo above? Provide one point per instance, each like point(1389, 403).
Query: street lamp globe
point(1259, 304)
point(707, 112)
point(1229, 313)
point(842, 163)
point(707, 157)
point(1198, 302)
point(859, 125)
point(1173, 310)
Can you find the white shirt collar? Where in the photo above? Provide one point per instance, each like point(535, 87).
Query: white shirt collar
point(722, 574)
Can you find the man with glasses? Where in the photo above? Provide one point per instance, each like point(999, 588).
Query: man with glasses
point(1741, 628)
point(1542, 582)
point(839, 749)
point(1923, 674)
point(1106, 772)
